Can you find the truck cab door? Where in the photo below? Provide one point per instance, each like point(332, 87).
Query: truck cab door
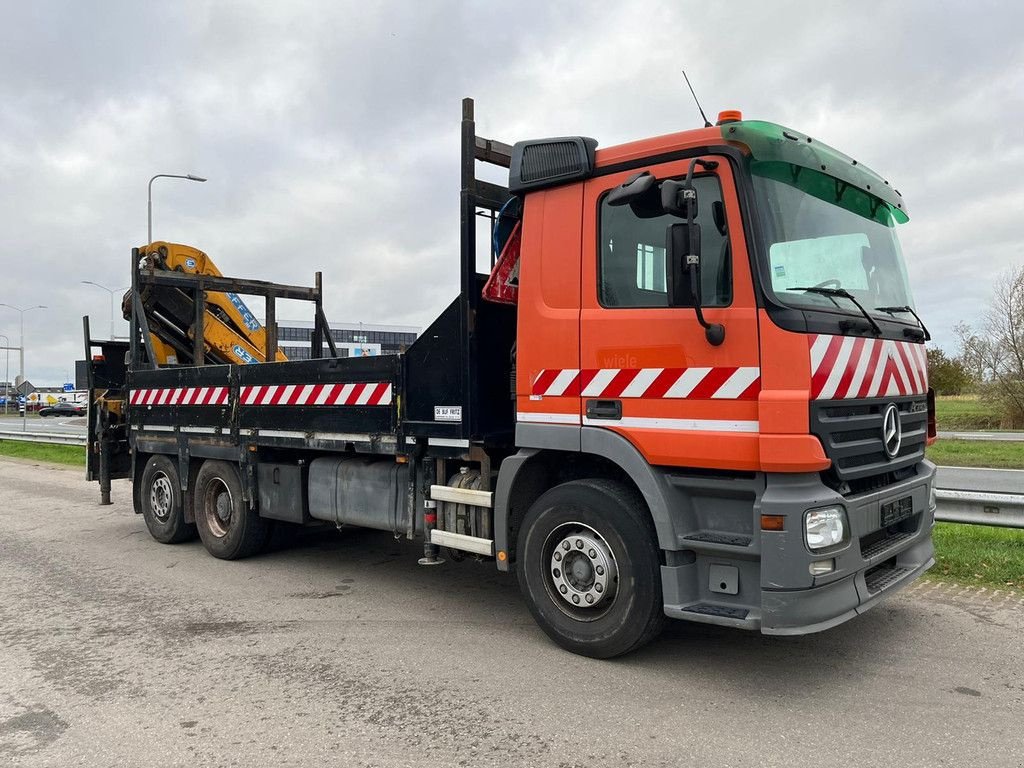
point(647, 372)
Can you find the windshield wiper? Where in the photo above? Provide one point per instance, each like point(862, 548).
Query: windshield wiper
point(894, 310)
point(830, 292)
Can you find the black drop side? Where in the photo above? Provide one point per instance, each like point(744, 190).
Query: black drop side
point(463, 359)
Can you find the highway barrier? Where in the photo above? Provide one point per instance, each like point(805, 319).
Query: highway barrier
point(54, 438)
point(1004, 510)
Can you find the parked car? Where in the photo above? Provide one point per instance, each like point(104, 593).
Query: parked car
point(63, 409)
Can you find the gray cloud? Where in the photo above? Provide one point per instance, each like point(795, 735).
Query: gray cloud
point(329, 132)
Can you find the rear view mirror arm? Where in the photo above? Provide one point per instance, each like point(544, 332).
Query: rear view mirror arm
point(713, 332)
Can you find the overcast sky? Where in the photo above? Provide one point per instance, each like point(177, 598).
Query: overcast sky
point(329, 132)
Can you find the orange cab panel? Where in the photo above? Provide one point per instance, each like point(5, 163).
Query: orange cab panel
point(647, 370)
point(549, 308)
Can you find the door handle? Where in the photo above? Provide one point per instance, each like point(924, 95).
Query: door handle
point(604, 409)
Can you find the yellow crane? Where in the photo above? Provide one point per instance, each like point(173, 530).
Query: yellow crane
point(231, 333)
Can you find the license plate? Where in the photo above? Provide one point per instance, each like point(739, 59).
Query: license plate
point(895, 511)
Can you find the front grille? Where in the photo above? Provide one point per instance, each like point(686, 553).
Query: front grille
point(873, 483)
point(852, 436)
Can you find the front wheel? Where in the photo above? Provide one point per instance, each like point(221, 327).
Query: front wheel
point(228, 528)
point(589, 568)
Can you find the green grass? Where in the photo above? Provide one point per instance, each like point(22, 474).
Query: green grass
point(978, 453)
point(72, 455)
point(966, 413)
point(979, 555)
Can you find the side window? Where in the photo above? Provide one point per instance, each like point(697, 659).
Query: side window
point(631, 264)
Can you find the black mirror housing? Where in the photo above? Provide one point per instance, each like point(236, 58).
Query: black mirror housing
point(631, 189)
point(679, 199)
point(682, 275)
point(677, 279)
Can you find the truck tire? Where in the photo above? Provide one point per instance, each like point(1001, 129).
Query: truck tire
point(161, 501)
point(589, 567)
point(228, 528)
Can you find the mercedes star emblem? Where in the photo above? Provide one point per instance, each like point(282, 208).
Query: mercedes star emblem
point(892, 430)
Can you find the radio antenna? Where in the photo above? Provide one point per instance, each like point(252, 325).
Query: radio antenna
point(707, 123)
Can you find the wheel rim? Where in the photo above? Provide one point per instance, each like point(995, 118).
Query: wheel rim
point(581, 573)
point(218, 507)
point(161, 497)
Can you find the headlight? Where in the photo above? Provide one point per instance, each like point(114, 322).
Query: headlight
point(824, 528)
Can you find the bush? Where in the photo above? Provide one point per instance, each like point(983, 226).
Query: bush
point(948, 376)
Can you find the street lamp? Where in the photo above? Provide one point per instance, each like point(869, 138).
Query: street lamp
point(21, 351)
point(149, 211)
point(111, 291)
point(7, 373)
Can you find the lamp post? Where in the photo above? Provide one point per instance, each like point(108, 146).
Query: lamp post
point(149, 200)
point(7, 373)
point(111, 291)
point(21, 351)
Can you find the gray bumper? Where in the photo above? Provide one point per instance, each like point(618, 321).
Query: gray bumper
point(767, 585)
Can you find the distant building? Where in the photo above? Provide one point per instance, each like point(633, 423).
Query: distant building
point(294, 337)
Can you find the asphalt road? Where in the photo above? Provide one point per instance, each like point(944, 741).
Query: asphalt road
point(974, 479)
point(72, 425)
point(340, 650)
point(999, 437)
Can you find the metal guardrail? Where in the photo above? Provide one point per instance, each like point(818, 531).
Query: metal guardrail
point(1005, 510)
point(54, 438)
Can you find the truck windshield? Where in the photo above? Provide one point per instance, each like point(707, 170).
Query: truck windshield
point(821, 232)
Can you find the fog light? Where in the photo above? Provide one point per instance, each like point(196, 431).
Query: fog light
point(824, 528)
point(821, 567)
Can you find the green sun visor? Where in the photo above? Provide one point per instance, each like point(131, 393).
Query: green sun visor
point(815, 168)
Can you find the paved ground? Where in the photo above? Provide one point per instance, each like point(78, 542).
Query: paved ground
point(72, 425)
point(974, 479)
point(116, 650)
point(1015, 437)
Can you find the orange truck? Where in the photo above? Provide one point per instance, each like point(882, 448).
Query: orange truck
point(689, 383)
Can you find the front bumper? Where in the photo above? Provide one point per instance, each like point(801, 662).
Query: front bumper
point(801, 612)
point(768, 586)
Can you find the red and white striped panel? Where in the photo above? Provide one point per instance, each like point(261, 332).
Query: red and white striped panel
point(650, 383)
point(361, 393)
point(843, 368)
point(181, 396)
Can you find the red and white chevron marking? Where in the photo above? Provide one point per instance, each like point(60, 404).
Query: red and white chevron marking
point(742, 383)
point(181, 396)
point(361, 393)
point(844, 368)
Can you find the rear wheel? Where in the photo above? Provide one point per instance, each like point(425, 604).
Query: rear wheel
point(161, 500)
point(589, 567)
point(228, 528)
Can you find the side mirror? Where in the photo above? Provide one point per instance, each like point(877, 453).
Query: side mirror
point(631, 189)
point(679, 199)
point(682, 275)
point(683, 241)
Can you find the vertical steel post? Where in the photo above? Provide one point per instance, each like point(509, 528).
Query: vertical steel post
point(198, 326)
point(271, 328)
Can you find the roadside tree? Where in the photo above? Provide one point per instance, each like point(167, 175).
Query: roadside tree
point(948, 375)
point(998, 350)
